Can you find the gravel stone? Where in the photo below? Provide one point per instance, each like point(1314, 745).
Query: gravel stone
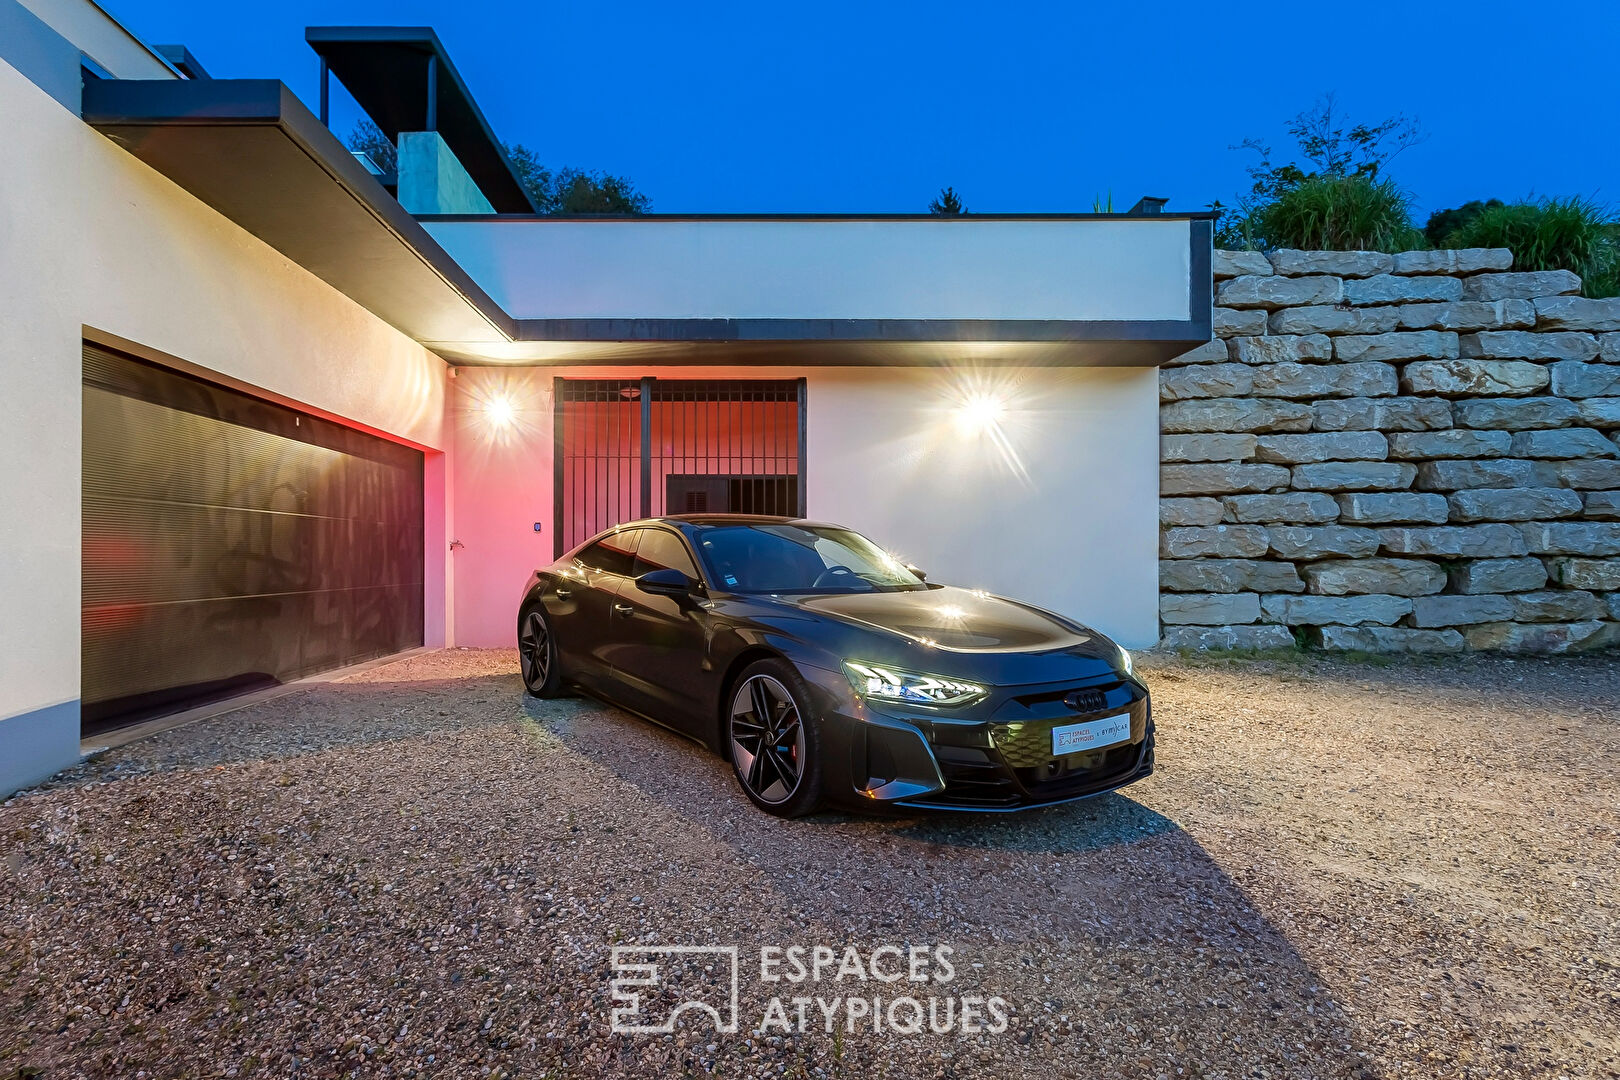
point(1270, 292)
point(1563, 443)
point(1229, 264)
point(1454, 541)
point(1234, 414)
point(1498, 575)
point(1557, 605)
point(1571, 538)
point(1524, 345)
point(1600, 574)
point(1304, 542)
point(1324, 380)
point(1519, 414)
point(1235, 322)
point(1437, 611)
point(1485, 473)
point(1196, 511)
point(1576, 380)
point(1457, 443)
point(1337, 446)
point(1453, 261)
point(1578, 313)
point(1350, 264)
point(1395, 289)
point(1208, 447)
point(1404, 345)
point(1219, 541)
point(1281, 348)
point(1380, 414)
point(1345, 610)
point(1521, 285)
point(1399, 507)
point(1387, 639)
point(1600, 412)
point(1397, 577)
point(1220, 478)
point(1461, 378)
point(1354, 476)
point(1514, 504)
point(1205, 638)
point(424, 872)
point(1307, 507)
point(1229, 576)
point(1467, 315)
point(1209, 609)
point(1334, 320)
point(1543, 637)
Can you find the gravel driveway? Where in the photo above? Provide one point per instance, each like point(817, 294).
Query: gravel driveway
point(1340, 870)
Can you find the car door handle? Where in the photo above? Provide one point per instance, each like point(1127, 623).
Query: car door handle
point(623, 609)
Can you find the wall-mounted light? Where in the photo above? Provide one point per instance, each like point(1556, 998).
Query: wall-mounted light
point(981, 411)
point(499, 411)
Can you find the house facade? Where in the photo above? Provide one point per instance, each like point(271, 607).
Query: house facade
point(276, 409)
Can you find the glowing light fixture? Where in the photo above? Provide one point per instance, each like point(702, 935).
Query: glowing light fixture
point(499, 411)
point(981, 411)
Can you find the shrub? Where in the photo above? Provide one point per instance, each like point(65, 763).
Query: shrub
point(1442, 223)
point(1551, 234)
point(1339, 213)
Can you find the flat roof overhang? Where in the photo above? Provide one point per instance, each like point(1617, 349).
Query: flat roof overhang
point(252, 151)
point(840, 289)
point(386, 70)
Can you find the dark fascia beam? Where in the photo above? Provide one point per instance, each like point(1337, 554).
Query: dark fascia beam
point(123, 103)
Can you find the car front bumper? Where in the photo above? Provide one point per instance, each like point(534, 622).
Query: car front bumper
point(999, 759)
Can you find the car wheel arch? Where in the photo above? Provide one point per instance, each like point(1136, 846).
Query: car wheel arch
point(752, 654)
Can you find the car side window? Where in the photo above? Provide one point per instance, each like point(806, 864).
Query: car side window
point(613, 554)
point(661, 550)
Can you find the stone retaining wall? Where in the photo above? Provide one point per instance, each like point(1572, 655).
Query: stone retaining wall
point(1411, 452)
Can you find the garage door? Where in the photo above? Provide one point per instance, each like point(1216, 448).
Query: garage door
point(232, 544)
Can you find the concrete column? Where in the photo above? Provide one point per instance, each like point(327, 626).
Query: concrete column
point(432, 179)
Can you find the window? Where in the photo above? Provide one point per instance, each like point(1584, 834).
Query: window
point(661, 550)
point(614, 554)
point(800, 558)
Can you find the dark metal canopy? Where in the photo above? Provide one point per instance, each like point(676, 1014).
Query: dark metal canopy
point(404, 80)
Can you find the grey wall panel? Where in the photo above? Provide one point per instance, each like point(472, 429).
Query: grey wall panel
point(231, 543)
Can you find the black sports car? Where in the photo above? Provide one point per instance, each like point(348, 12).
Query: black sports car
point(829, 673)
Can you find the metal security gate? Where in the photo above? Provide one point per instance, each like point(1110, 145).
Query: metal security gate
point(634, 448)
point(231, 543)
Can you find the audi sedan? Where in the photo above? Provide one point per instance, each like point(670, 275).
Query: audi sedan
point(829, 673)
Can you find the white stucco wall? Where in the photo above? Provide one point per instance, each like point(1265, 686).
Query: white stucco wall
point(975, 268)
point(1055, 503)
point(93, 238)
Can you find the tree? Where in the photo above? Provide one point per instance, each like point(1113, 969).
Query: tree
point(1442, 223)
point(368, 139)
point(1330, 147)
point(948, 203)
point(569, 190)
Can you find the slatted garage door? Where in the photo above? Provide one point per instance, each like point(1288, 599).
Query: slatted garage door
point(230, 543)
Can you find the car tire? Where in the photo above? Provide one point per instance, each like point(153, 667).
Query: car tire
point(766, 754)
point(537, 654)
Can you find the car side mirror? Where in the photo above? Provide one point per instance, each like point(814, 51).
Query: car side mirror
point(664, 583)
point(918, 572)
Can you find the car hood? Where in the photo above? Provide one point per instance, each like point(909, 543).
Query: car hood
point(951, 618)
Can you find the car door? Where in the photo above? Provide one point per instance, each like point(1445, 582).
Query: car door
point(582, 615)
point(659, 657)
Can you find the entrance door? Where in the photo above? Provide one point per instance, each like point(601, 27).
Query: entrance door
point(230, 543)
point(634, 448)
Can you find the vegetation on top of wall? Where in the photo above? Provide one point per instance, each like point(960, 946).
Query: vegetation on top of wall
point(1550, 234)
point(1340, 213)
point(1443, 223)
point(947, 203)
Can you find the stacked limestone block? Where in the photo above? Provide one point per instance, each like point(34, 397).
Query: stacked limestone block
point(1413, 452)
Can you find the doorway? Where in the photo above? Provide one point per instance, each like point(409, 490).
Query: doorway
point(637, 448)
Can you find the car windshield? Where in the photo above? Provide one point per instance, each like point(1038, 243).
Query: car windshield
point(800, 559)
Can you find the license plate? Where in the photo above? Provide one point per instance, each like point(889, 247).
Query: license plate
point(1092, 735)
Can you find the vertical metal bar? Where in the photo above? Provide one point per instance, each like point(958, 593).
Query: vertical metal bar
point(558, 468)
point(433, 93)
point(326, 95)
point(646, 445)
point(804, 407)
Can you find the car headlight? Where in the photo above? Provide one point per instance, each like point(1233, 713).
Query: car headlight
point(891, 684)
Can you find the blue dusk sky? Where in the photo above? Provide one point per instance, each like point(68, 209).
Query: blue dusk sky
point(834, 107)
